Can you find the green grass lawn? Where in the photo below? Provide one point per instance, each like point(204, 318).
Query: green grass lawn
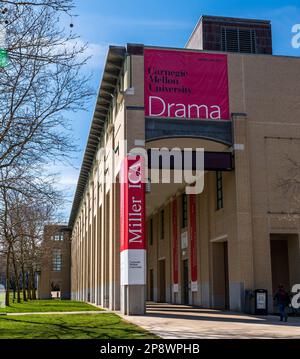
point(47, 306)
point(70, 326)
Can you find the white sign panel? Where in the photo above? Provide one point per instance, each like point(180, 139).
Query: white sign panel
point(133, 267)
point(184, 240)
point(194, 287)
point(261, 300)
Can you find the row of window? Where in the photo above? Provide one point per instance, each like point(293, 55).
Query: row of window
point(56, 260)
point(184, 209)
point(57, 237)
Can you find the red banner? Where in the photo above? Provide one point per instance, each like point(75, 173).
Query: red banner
point(186, 84)
point(132, 212)
point(175, 244)
point(132, 222)
point(193, 237)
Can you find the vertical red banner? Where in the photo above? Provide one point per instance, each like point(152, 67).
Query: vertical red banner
point(175, 245)
point(193, 239)
point(132, 222)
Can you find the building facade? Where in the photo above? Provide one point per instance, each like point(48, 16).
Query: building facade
point(55, 270)
point(242, 231)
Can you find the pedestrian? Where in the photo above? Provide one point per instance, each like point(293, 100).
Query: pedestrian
point(282, 299)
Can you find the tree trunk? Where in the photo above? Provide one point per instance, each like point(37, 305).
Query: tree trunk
point(33, 294)
point(24, 285)
point(29, 288)
point(7, 277)
point(14, 289)
point(17, 283)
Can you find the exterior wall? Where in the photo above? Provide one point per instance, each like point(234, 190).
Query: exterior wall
point(263, 102)
point(48, 275)
point(271, 136)
point(104, 255)
point(251, 191)
point(196, 39)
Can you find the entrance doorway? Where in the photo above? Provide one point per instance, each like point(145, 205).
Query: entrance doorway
point(285, 260)
point(280, 263)
point(185, 281)
point(162, 280)
point(220, 275)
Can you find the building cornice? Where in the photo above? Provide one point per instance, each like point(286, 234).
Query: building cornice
point(113, 67)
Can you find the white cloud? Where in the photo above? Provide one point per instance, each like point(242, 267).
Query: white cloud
point(97, 53)
point(285, 10)
point(94, 50)
point(160, 23)
point(66, 175)
point(116, 22)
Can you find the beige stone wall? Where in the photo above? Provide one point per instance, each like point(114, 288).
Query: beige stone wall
point(268, 89)
point(263, 88)
point(196, 39)
point(96, 233)
point(48, 275)
point(264, 102)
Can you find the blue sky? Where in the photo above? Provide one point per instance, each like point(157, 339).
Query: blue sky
point(165, 23)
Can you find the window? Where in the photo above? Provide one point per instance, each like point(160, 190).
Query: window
point(127, 73)
point(122, 82)
point(56, 260)
point(219, 189)
point(58, 237)
point(162, 224)
point(151, 232)
point(184, 211)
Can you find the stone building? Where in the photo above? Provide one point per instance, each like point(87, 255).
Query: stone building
point(242, 231)
point(55, 270)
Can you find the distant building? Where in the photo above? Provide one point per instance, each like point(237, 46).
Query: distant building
point(55, 262)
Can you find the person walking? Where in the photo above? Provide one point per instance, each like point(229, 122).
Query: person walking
point(282, 299)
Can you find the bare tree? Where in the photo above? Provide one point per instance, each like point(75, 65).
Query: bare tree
point(41, 84)
point(57, 5)
point(23, 216)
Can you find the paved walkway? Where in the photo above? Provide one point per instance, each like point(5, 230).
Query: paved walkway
point(186, 322)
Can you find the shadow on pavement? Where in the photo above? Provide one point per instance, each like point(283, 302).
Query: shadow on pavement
point(165, 310)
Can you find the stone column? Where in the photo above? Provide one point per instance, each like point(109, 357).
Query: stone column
point(133, 246)
point(133, 279)
point(242, 265)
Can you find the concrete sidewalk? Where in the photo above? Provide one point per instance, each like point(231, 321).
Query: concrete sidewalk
point(185, 322)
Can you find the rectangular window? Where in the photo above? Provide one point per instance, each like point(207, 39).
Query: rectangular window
point(127, 73)
point(151, 232)
point(56, 260)
point(184, 215)
point(162, 224)
point(219, 189)
point(122, 82)
point(58, 237)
